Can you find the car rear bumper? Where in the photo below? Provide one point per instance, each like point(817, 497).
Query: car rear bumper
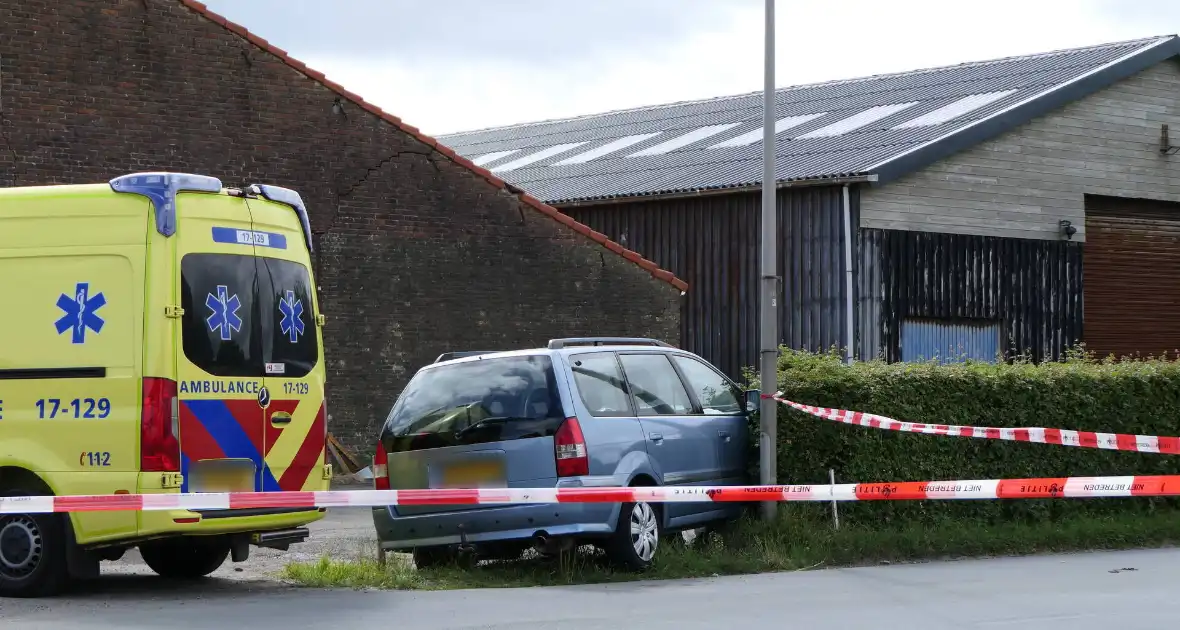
point(494, 524)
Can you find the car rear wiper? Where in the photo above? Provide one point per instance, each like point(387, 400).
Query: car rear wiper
point(487, 422)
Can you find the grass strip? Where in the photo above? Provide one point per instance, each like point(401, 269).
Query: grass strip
point(800, 539)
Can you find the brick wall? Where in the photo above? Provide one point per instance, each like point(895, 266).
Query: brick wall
point(416, 254)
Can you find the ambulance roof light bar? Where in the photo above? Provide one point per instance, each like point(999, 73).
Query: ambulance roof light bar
point(161, 189)
point(287, 197)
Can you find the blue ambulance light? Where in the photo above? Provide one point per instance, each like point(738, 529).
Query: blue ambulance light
point(288, 197)
point(161, 189)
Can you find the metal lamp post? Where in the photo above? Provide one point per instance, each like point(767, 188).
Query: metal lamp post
point(768, 338)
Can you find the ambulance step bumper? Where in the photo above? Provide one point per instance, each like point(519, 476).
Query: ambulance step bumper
point(244, 512)
point(281, 539)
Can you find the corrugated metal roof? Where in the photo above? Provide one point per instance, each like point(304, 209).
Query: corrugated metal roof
point(863, 126)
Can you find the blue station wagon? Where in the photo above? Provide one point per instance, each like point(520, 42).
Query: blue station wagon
point(582, 412)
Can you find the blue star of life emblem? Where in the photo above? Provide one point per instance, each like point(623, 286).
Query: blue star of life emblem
point(80, 312)
point(292, 322)
point(224, 308)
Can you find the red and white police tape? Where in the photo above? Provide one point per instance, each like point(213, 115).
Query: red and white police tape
point(1042, 488)
point(1062, 437)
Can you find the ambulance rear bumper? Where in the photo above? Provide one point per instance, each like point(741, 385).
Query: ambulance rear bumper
point(212, 522)
point(243, 512)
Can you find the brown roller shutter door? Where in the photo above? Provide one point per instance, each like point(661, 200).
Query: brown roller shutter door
point(1131, 281)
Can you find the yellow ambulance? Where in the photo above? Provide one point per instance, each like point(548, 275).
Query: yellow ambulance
point(159, 333)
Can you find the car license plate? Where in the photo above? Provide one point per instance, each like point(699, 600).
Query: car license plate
point(221, 475)
point(483, 474)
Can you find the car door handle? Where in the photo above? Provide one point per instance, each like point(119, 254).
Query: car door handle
point(280, 419)
point(656, 437)
point(723, 435)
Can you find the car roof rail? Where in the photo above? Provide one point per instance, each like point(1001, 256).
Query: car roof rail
point(557, 344)
point(447, 356)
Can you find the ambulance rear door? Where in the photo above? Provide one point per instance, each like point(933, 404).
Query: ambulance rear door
point(220, 360)
point(295, 421)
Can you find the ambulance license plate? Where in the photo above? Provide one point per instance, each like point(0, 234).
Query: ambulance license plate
point(221, 475)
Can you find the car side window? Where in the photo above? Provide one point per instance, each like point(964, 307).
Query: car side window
point(656, 389)
point(600, 384)
point(715, 393)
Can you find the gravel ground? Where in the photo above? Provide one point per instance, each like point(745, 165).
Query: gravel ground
point(342, 533)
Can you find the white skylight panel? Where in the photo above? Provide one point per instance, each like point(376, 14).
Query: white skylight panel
point(953, 110)
point(755, 135)
point(606, 149)
point(492, 157)
point(696, 135)
point(537, 157)
point(856, 121)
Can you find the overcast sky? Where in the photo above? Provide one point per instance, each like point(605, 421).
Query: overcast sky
point(456, 65)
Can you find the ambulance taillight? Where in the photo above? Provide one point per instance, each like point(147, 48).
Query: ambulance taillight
point(159, 446)
point(324, 411)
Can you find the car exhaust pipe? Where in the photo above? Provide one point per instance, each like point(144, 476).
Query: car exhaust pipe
point(542, 543)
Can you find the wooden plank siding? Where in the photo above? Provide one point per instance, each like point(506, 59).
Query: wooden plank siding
point(1022, 183)
point(712, 243)
point(1030, 288)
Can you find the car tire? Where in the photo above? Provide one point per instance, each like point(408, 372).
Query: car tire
point(636, 538)
point(185, 558)
point(32, 551)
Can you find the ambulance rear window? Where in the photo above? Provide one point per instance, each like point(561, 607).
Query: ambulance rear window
point(246, 316)
point(289, 334)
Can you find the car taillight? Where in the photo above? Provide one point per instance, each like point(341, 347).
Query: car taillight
point(570, 450)
point(380, 468)
point(324, 411)
point(159, 430)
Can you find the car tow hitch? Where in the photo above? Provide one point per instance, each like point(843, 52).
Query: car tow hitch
point(464, 546)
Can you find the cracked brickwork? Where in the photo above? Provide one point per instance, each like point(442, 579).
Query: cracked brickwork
point(417, 254)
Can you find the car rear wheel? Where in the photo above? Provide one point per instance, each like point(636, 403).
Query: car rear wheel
point(32, 552)
point(637, 536)
point(185, 558)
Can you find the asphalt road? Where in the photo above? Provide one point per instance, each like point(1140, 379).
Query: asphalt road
point(1124, 590)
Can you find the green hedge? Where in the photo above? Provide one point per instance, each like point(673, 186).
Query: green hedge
point(1141, 397)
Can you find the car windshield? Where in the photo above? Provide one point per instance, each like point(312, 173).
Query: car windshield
point(485, 400)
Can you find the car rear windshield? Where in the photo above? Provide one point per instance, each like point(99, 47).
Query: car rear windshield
point(247, 316)
point(473, 402)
